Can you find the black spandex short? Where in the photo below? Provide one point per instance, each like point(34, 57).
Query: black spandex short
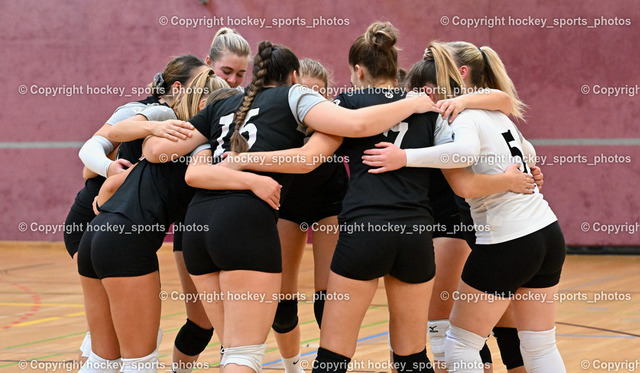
point(532, 261)
point(316, 195)
point(364, 254)
point(81, 214)
point(239, 233)
point(105, 252)
point(447, 220)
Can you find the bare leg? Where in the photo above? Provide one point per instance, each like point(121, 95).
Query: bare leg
point(96, 304)
point(135, 309)
point(293, 241)
point(246, 322)
point(195, 310)
point(342, 318)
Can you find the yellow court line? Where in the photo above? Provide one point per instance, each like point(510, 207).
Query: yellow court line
point(38, 321)
point(75, 305)
point(74, 314)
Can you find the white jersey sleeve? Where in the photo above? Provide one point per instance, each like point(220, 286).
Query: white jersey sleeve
point(457, 154)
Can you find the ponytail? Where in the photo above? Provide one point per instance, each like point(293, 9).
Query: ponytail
point(487, 71)
point(496, 77)
point(239, 143)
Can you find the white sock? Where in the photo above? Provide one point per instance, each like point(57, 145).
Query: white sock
point(539, 351)
point(85, 347)
point(462, 351)
point(96, 364)
point(292, 364)
point(175, 368)
point(145, 364)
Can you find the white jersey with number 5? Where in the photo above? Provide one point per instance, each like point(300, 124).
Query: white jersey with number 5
point(504, 216)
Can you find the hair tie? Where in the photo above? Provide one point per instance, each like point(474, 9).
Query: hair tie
point(427, 54)
point(484, 56)
point(158, 80)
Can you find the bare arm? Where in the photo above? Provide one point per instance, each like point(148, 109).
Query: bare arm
point(202, 174)
point(471, 185)
point(160, 150)
point(110, 186)
point(138, 127)
point(290, 161)
point(486, 99)
point(335, 120)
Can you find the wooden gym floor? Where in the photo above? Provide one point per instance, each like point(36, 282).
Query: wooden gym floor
point(42, 319)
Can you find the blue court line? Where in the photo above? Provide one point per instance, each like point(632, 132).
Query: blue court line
point(313, 352)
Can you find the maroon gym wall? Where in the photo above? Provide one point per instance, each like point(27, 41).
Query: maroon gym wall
point(122, 44)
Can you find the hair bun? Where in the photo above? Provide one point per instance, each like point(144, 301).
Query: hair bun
point(382, 35)
point(224, 30)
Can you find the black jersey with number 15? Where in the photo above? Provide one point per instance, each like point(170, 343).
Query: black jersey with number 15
point(269, 125)
point(399, 194)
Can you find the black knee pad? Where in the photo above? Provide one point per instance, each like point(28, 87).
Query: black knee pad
point(418, 362)
point(509, 345)
point(485, 355)
point(318, 305)
point(286, 316)
point(192, 339)
point(330, 362)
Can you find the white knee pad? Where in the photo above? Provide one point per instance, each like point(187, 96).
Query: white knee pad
point(250, 356)
point(462, 351)
point(437, 332)
point(539, 351)
point(96, 364)
point(146, 364)
point(85, 347)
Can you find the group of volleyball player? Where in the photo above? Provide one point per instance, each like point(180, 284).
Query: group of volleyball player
point(179, 157)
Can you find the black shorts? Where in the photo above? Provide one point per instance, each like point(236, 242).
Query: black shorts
point(239, 233)
point(447, 220)
point(81, 214)
point(316, 195)
point(112, 248)
point(532, 261)
point(364, 252)
point(468, 233)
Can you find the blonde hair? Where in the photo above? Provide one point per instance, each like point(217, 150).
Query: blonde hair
point(487, 71)
point(436, 68)
point(376, 50)
point(222, 93)
point(228, 40)
point(314, 69)
point(202, 86)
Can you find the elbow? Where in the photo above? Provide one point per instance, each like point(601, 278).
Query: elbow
point(190, 176)
point(462, 190)
point(152, 153)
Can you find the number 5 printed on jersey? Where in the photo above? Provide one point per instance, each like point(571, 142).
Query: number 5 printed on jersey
point(249, 131)
point(515, 151)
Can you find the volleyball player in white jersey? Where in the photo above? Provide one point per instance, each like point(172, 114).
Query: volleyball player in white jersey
point(520, 257)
